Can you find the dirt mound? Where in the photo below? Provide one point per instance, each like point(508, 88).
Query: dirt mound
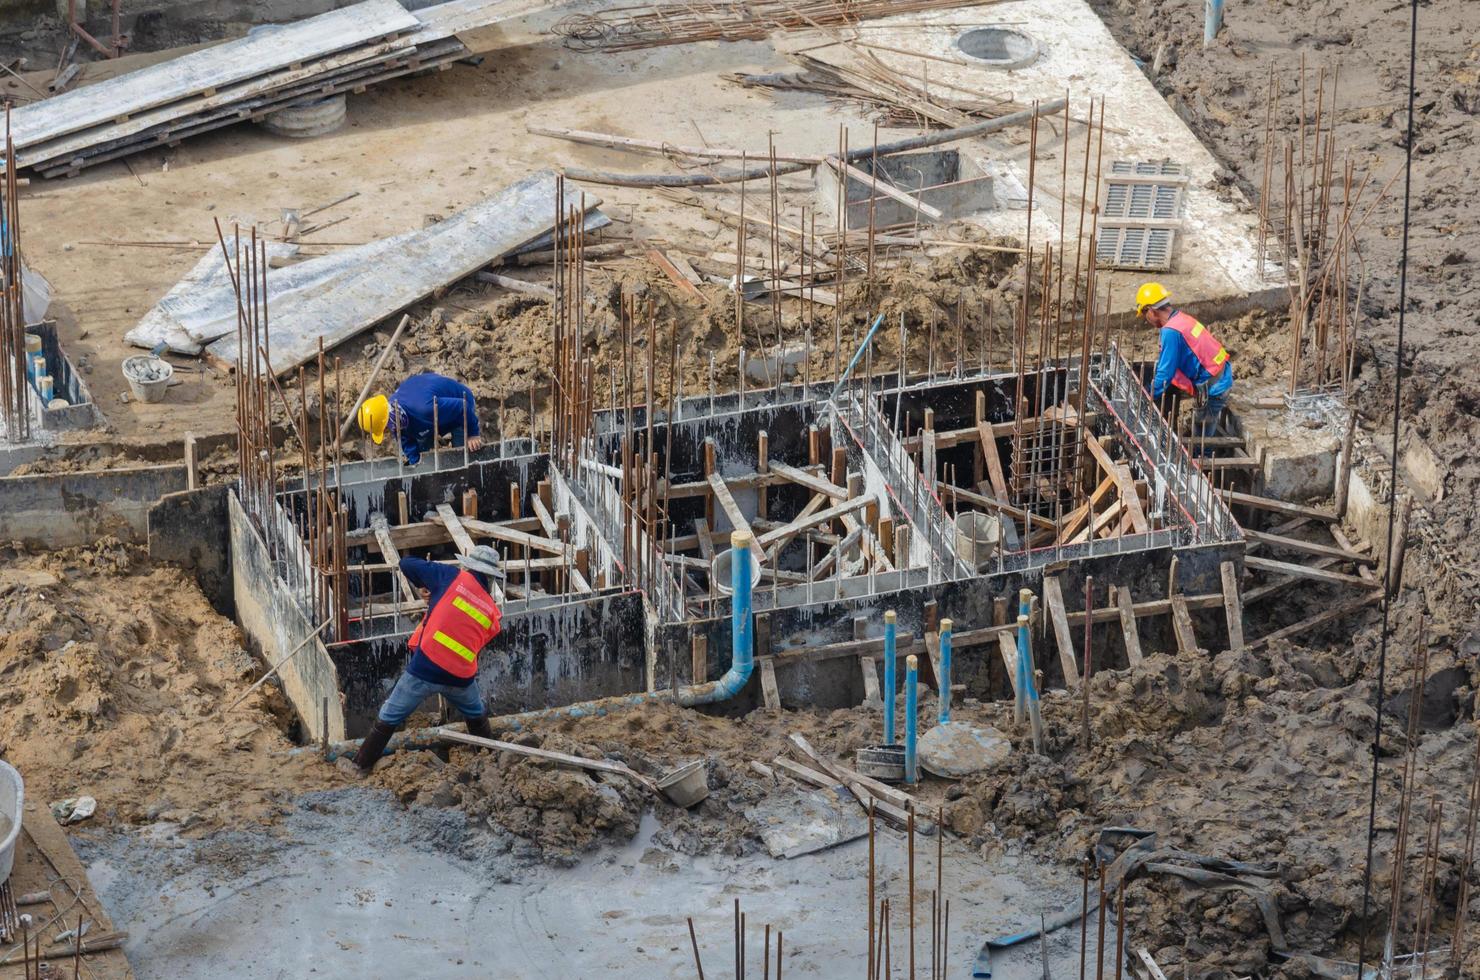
point(112, 670)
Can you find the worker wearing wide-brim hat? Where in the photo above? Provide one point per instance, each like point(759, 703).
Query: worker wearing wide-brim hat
point(1191, 359)
point(422, 400)
point(462, 618)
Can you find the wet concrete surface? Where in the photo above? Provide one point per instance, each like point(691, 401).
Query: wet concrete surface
point(351, 883)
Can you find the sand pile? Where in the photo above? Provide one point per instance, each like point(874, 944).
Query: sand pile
point(111, 671)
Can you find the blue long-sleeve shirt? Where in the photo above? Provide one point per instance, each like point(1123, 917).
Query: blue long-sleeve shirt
point(437, 579)
point(1176, 356)
point(413, 411)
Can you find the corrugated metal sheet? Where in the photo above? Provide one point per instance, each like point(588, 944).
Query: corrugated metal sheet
point(215, 67)
point(339, 295)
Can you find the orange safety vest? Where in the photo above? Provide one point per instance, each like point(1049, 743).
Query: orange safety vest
point(1204, 346)
point(462, 622)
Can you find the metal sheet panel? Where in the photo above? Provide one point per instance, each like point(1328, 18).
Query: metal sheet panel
point(210, 68)
point(368, 283)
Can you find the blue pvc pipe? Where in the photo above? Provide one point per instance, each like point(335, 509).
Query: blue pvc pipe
point(742, 634)
point(742, 664)
point(868, 339)
point(911, 685)
point(891, 629)
point(1025, 663)
point(945, 672)
point(1025, 610)
point(1212, 21)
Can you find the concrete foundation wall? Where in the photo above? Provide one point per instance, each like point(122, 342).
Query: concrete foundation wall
point(542, 658)
point(275, 626)
point(191, 529)
point(63, 510)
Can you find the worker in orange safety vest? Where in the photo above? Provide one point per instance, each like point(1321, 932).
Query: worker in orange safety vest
point(1191, 358)
point(462, 618)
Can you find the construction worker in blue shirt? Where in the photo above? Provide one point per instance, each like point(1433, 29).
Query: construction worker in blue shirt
point(411, 410)
point(1191, 358)
point(462, 619)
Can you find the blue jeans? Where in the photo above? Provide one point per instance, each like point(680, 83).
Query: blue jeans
point(1210, 413)
point(410, 692)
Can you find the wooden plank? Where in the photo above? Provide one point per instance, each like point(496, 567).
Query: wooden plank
point(1309, 547)
point(987, 503)
point(44, 858)
point(814, 483)
point(845, 775)
point(388, 548)
point(1278, 506)
point(1302, 571)
point(516, 285)
point(1127, 610)
point(1182, 626)
point(733, 512)
point(1053, 596)
point(454, 527)
point(870, 671)
point(560, 758)
point(904, 645)
point(769, 690)
point(706, 539)
point(932, 660)
point(1074, 522)
point(883, 186)
point(1152, 968)
point(1155, 607)
point(1320, 618)
point(1233, 606)
point(502, 532)
point(948, 438)
point(1007, 644)
point(994, 461)
point(1122, 475)
point(657, 258)
point(804, 521)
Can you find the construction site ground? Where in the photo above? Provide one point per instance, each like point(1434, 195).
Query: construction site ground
point(212, 833)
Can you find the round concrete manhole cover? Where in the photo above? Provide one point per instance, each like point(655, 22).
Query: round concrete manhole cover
point(955, 750)
point(999, 47)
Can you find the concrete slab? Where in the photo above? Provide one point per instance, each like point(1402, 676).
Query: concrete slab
point(1217, 261)
point(1297, 449)
point(352, 884)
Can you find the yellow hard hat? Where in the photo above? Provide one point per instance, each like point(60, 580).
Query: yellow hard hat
point(374, 414)
point(1150, 294)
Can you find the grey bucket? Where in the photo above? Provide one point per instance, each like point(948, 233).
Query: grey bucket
point(977, 535)
point(687, 785)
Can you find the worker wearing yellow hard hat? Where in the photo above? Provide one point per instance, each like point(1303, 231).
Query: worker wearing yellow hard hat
point(425, 407)
point(1191, 359)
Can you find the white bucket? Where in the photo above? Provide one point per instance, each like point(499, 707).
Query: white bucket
point(148, 377)
point(12, 798)
point(719, 571)
point(977, 536)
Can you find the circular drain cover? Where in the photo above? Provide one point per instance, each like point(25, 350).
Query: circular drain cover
point(999, 47)
point(956, 749)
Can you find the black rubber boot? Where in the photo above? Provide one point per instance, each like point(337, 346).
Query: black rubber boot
point(479, 726)
point(373, 746)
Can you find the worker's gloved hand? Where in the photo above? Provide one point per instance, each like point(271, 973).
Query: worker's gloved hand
point(1201, 393)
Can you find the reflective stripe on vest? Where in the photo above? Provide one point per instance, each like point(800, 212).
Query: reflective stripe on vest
point(462, 622)
point(454, 646)
point(1204, 346)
